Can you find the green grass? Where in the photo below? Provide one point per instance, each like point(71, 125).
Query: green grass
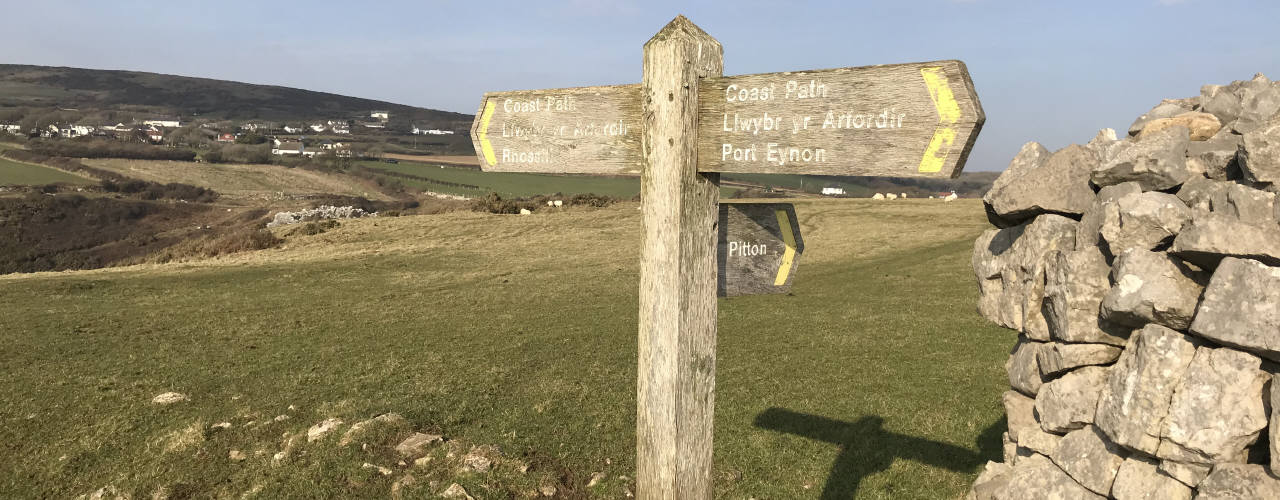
point(14, 173)
point(800, 183)
point(510, 184)
point(874, 378)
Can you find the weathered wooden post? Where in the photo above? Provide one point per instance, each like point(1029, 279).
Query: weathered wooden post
point(677, 341)
point(678, 129)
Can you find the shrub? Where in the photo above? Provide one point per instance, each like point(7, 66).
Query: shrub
point(109, 149)
point(494, 204)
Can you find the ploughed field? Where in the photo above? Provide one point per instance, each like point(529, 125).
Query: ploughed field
point(875, 378)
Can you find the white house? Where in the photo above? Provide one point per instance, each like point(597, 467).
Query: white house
point(341, 129)
point(12, 129)
point(833, 191)
point(423, 131)
point(292, 130)
point(288, 148)
point(163, 123)
point(78, 131)
point(319, 127)
point(380, 115)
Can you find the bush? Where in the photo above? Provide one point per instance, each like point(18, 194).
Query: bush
point(109, 149)
point(494, 204)
point(319, 227)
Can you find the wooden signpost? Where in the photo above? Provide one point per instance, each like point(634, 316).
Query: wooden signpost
point(584, 130)
point(681, 126)
point(758, 250)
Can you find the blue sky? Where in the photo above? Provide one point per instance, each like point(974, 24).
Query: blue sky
point(1054, 72)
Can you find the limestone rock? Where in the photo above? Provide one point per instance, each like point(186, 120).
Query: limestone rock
point(1009, 449)
point(1152, 287)
point(1036, 440)
point(1104, 145)
point(1250, 205)
point(1241, 307)
point(169, 398)
point(1023, 368)
point(1089, 231)
point(108, 492)
point(1090, 458)
point(1186, 473)
point(1158, 161)
point(1216, 157)
point(1038, 477)
point(993, 479)
point(1075, 284)
point(1038, 185)
point(1056, 358)
point(1260, 158)
point(1274, 430)
point(456, 490)
point(416, 444)
point(319, 430)
point(1197, 193)
point(378, 468)
point(359, 429)
point(1139, 479)
point(1020, 412)
point(1259, 102)
point(1007, 261)
point(1146, 220)
point(476, 461)
point(1069, 403)
point(1217, 410)
point(1211, 236)
point(1135, 399)
point(1201, 125)
point(1238, 482)
point(236, 456)
point(1221, 102)
point(1162, 110)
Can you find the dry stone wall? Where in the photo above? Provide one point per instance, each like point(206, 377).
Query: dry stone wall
point(1142, 275)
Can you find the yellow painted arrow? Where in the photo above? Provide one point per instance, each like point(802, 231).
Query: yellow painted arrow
point(789, 255)
point(935, 156)
point(483, 134)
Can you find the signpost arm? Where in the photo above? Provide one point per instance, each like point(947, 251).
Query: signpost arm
point(677, 338)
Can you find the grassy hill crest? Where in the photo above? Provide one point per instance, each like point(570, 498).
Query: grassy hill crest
point(65, 87)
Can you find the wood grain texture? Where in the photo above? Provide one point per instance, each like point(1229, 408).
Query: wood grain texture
point(752, 248)
point(870, 120)
point(677, 321)
point(583, 130)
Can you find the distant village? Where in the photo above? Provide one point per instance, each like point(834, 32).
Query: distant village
point(162, 129)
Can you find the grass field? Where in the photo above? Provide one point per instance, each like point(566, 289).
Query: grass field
point(874, 378)
point(240, 181)
point(14, 173)
point(511, 184)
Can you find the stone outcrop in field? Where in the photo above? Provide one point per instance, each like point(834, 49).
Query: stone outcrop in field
point(1142, 275)
point(322, 212)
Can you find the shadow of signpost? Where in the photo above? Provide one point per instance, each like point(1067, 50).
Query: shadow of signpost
point(866, 447)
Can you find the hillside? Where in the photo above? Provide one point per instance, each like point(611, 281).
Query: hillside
point(874, 378)
point(153, 93)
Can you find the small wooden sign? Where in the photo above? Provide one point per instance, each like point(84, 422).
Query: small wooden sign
point(905, 120)
point(758, 250)
point(583, 130)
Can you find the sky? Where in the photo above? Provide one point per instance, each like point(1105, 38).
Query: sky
point(1050, 71)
